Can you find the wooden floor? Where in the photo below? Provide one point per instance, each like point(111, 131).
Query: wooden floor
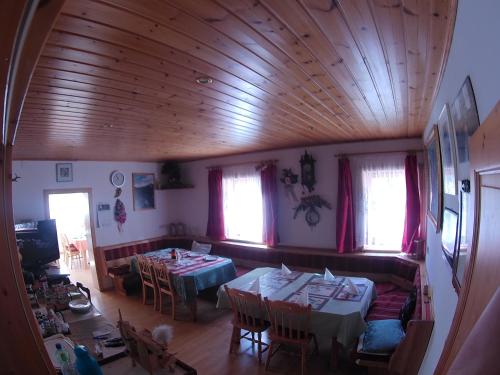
point(204, 345)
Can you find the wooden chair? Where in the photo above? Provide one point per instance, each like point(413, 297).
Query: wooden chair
point(71, 252)
point(147, 278)
point(289, 325)
point(248, 315)
point(164, 285)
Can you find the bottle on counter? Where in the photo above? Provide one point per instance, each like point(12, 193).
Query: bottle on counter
point(64, 360)
point(173, 254)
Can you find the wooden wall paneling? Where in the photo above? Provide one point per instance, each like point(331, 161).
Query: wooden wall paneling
point(481, 276)
point(23, 29)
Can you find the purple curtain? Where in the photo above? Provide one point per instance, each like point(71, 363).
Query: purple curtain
point(215, 225)
point(269, 186)
point(346, 234)
point(412, 218)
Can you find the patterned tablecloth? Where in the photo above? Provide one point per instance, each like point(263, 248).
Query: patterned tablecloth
point(194, 272)
point(336, 312)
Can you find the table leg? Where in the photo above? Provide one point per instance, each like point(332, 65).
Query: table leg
point(193, 307)
point(334, 361)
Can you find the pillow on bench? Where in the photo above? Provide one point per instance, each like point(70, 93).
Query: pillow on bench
point(382, 336)
point(201, 247)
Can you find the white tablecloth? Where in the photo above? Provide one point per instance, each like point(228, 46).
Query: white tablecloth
point(336, 318)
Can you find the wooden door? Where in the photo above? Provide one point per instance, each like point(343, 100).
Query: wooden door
point(482, 276)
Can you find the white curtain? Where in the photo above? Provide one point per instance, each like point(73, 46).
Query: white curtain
point(379, 189)
point(242, 200)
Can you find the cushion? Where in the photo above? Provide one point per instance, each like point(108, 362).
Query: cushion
point(408, 308)
point(382, 336)
point(201, 247)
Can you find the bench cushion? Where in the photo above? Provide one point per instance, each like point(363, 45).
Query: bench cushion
point(382, 336)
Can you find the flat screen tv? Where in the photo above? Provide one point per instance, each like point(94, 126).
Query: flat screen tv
point(37, 243)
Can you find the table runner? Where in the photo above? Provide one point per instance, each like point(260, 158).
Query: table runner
point(343, 319)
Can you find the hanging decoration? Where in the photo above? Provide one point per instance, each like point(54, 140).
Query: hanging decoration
point(307, 174)
point(309, 205)
point(289, 180)
point(120, 214)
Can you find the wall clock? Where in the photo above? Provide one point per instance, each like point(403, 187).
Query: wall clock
point(117, 179)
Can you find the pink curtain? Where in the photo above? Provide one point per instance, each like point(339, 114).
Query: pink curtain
point(412, 218)
point(346, 234)
point(269, 185)
point(215, 225)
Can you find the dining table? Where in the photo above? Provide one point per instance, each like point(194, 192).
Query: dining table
point(192, 272)
point(336, 312)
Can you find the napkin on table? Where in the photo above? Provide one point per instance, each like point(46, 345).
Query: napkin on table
point(255, 286)
point(285, 269)
point(351, 287)
point(328, 275)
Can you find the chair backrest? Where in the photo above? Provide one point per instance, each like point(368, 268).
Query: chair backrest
point(162, 276)
point(289, 321)
point(144, 268)
point(248, 308)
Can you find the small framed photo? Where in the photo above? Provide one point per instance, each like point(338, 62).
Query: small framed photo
point(143, 191)
point(64, 172)
point(449, 234)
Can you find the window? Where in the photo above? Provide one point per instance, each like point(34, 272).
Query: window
point(242, 200)
point(381, 204)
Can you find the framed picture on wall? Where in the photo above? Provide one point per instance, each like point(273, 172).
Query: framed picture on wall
point(143, 191)
point(434, 206)
point(447, 143)
point(64, 172)
point(465, 119)
point(449, 235)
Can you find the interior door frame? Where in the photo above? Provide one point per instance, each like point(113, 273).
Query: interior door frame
point(92, 254)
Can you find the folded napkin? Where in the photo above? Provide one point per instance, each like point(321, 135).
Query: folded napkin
point(304, 297)
point(285, 270)
point(328, 275)
point(351, 287)
point(255, 286)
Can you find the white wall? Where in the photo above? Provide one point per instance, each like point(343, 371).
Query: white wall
point(28, 199)
point(475, 51)
point(191, 205)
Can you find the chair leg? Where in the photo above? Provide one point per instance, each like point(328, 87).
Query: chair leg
point(316, 349)
point(144, 294)
point(234, 336)
point(259, 347)
point(173, 306)
point(253, 338)
point(303, 359)
point(269, 355)
point(160, 298)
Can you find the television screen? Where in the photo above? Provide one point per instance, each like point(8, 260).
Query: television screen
point(38, 243)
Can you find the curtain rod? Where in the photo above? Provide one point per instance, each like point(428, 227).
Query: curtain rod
point(256, 163)
point(377, 152)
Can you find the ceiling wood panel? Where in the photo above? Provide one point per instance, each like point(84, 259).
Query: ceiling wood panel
point(117, 78)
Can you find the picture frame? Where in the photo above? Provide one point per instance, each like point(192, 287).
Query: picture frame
point(143, 191)
point(462, 243)
point(448, 153)
point(307, 173)
point(64, 172)
point(465, 119)
point(435, 196)
point(449, 234)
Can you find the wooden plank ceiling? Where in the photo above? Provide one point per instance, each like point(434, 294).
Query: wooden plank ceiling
point(117, 78)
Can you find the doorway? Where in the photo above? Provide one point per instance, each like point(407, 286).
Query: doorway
point(71, 208)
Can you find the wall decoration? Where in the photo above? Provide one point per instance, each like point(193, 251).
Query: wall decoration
point(435, 203)
point(465, 119)
point(460, 253)
point(143, 191)
point(448, 154)
point(64, 172)
point(307, 174)
point(117, 179)
point(103, 215)
point(449, 235)
point(310, 204)
point(120, 214)
point(289, 180)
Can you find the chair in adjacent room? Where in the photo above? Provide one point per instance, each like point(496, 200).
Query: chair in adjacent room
point(248, 315)
point(290, 323)
point(147, 278)
point(71, 251)
point(164, 285)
